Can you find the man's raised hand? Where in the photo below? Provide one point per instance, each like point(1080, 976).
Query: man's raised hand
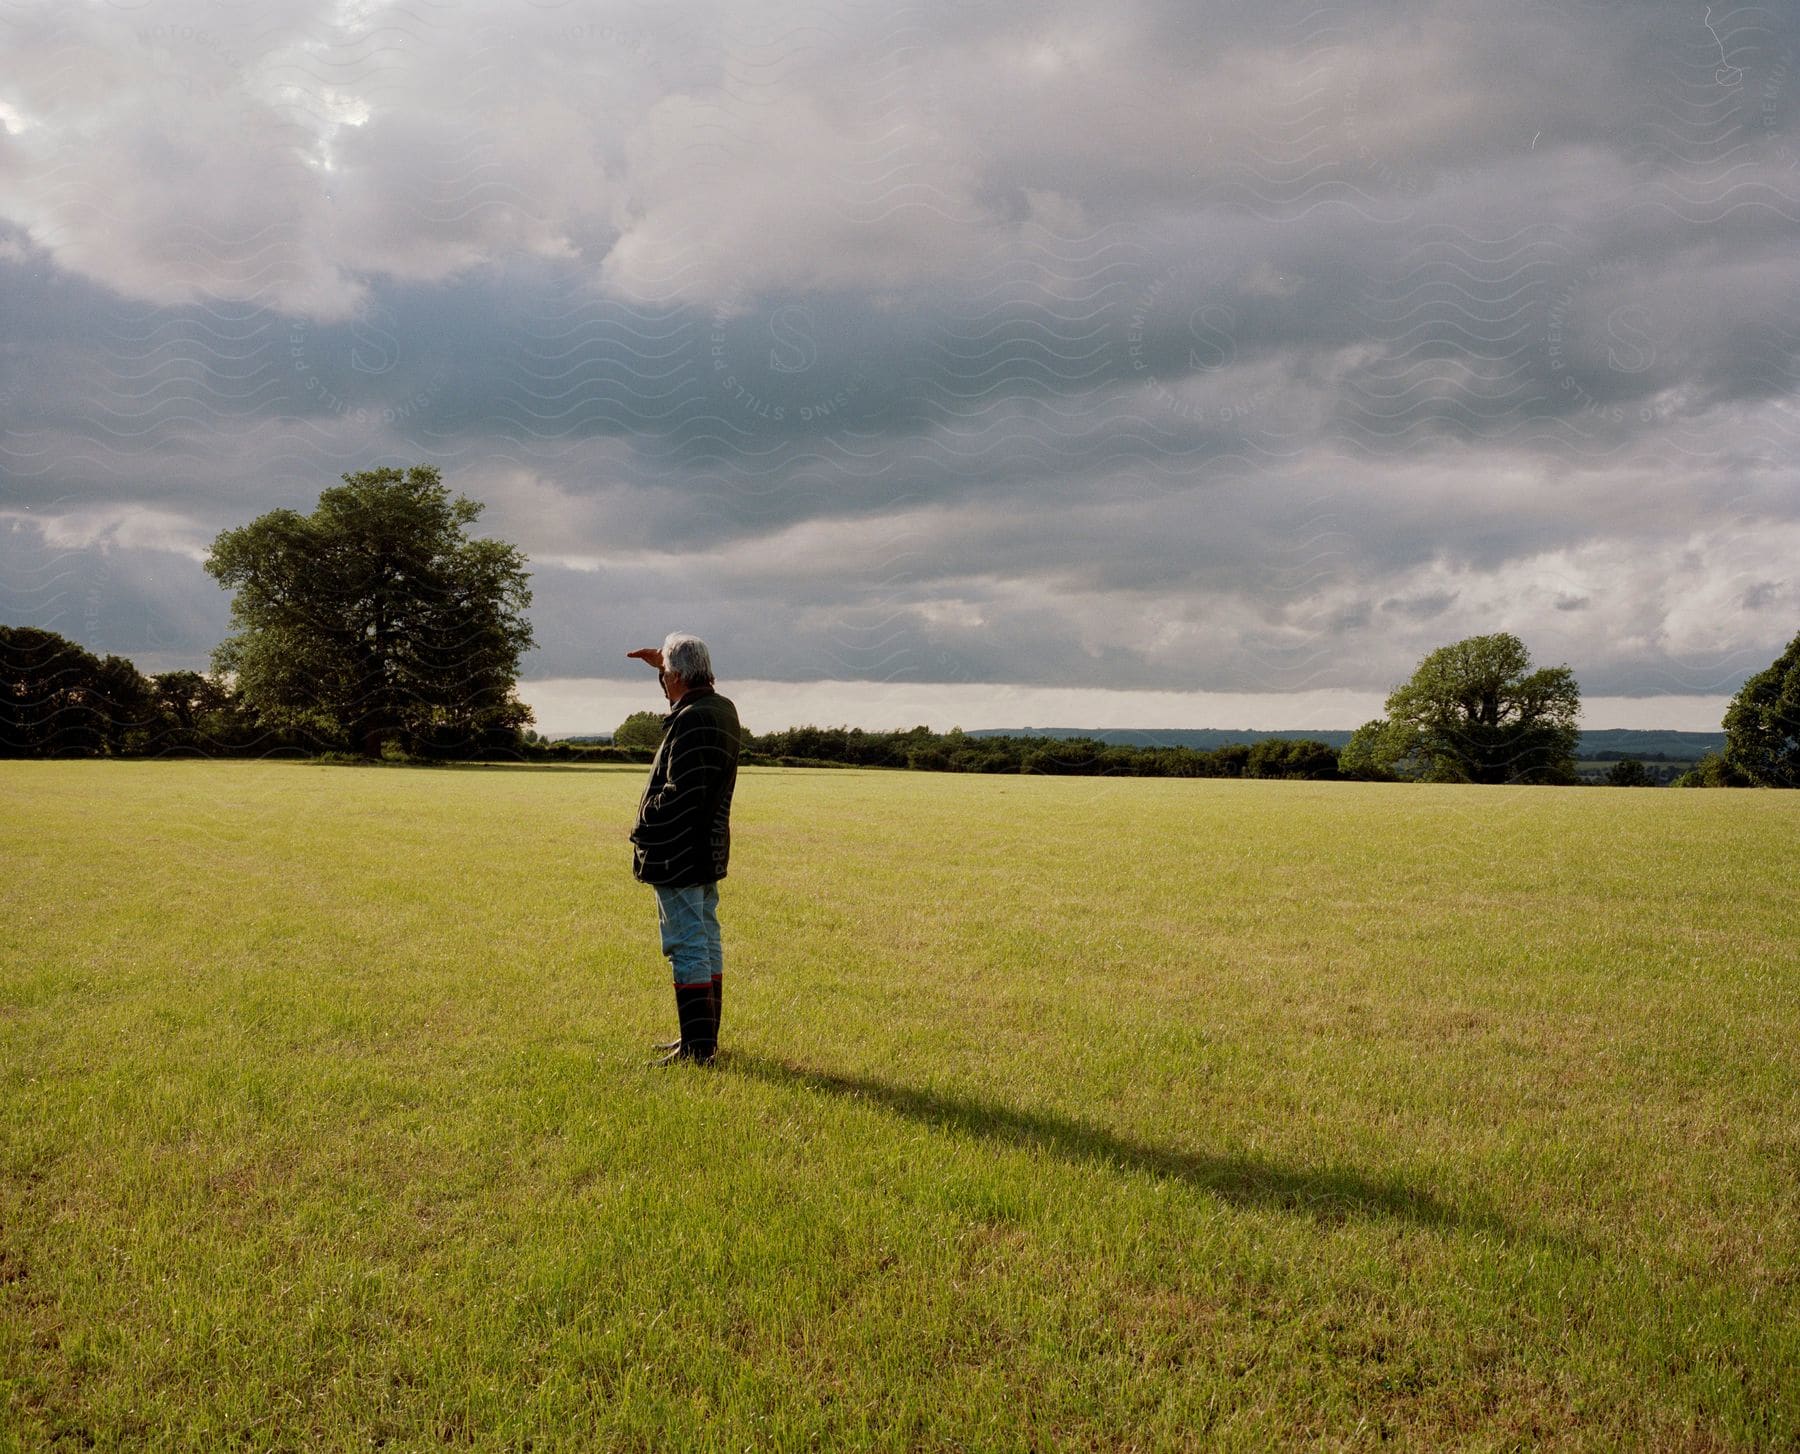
point(651, 654)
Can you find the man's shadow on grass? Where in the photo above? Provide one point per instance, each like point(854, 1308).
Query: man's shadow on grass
point(1327, 1194)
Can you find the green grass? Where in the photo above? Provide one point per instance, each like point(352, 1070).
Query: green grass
point(1068, 1113)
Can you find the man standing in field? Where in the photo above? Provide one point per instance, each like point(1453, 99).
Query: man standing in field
point(683, 836)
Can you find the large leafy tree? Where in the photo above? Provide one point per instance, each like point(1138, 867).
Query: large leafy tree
point(1474, 712)
point(1374, 752)
point(1762, 724)
point(377, 618)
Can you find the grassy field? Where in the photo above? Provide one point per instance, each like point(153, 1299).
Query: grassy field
point(1054, 1113)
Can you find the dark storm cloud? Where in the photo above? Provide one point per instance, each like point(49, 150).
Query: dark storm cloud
point(122, 587)
point(1237, 346)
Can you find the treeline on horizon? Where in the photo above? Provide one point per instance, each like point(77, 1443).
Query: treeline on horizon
point(1074, 753)
point(1594, 745)
point(919, 749)
point(1071, 754)
point(922, 750)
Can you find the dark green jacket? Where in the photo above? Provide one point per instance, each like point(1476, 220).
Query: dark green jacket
point(683, 833)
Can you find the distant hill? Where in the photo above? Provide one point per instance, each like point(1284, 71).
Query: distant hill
point(1612, 743)
point(1204, 738)
point(1651, 746)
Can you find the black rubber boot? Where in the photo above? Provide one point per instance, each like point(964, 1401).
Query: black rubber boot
point(718, 1000)
point(699, 1038)
point(705, 1037)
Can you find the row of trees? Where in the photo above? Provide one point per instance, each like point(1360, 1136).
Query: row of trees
point(922, 749)
point(57, 699)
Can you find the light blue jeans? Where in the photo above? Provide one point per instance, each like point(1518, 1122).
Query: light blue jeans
point(689, 920)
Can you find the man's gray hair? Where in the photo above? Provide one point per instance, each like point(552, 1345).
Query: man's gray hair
point(688, 658)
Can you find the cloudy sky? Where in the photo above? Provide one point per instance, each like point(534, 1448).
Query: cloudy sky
point(1134, 364)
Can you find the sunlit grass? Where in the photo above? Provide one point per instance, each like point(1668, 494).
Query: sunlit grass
point(1053, 1112)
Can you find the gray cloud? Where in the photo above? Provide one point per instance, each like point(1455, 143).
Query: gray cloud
point(1254, 348)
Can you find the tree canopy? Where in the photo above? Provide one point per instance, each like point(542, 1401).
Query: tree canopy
point(57, 699)
point(376, 618)
point(1762, 724)
point(640, 729)
point(1474, 712)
